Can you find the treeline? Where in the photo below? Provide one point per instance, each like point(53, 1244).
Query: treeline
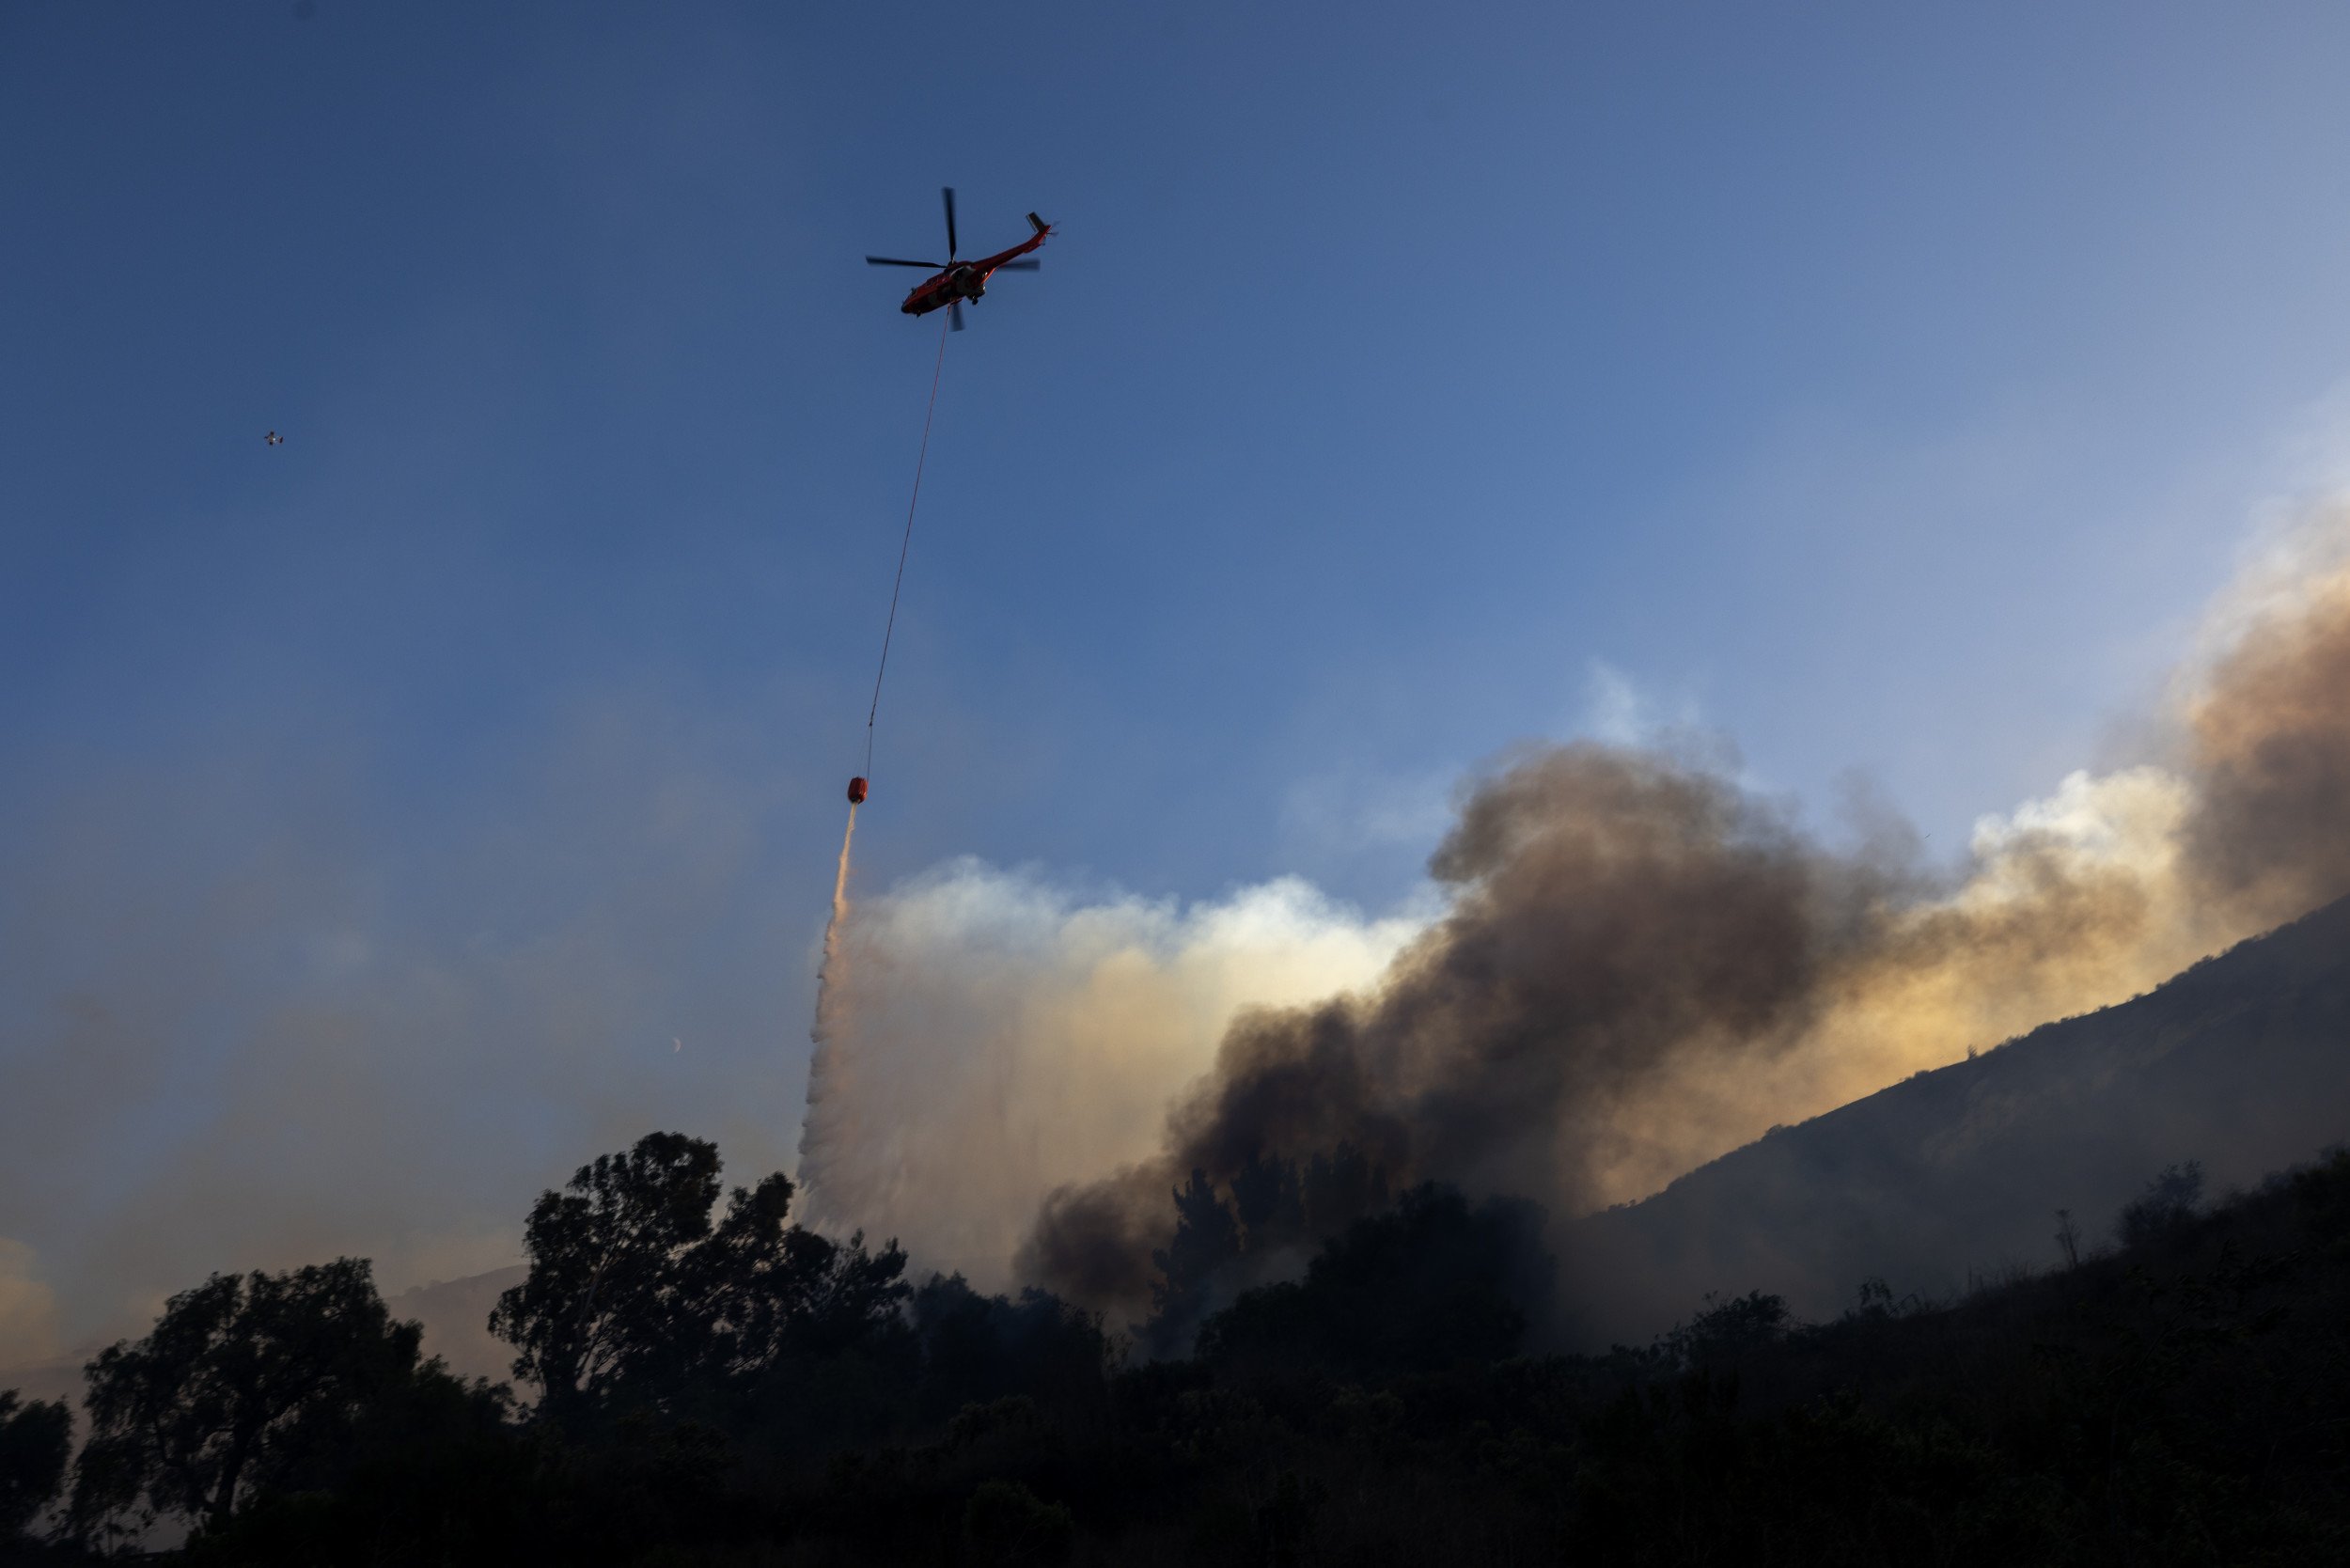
point(713, 1383)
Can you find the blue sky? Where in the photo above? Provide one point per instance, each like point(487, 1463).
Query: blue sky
point(1885, 390)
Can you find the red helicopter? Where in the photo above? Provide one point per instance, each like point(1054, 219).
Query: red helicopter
point(958, 281)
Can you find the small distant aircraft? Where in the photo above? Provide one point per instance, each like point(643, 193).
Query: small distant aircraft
point(958, 281)
point(273, 439)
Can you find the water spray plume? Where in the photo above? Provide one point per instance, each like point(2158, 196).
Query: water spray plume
point(824, 1100)
point(819, 1129)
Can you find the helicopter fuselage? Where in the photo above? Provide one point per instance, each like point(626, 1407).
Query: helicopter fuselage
point(964, 281)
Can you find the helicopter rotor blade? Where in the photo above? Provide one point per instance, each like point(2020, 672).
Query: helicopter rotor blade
point(949, 193)
point(954, 315)
point(1017, 266)
point(894, 261)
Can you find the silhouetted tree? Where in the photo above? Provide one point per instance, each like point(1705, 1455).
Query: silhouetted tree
point(603, 1255)
point(241, 1378)
point(1005, 1523)
point(1269, 1202)
point(976, 1349)
point(1430, 1283)
point(1339, 1189)
point(36, 1439)
point(2169, 1201)
point(1726, 1332)
point(2322, 1194)
point(429, 1471)
point(635, 1295)
point(760, 1289)
point(1206, 1240)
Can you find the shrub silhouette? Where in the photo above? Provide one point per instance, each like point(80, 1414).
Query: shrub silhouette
point(978, 1348)
point(1005, 1523)
point(1724, 1333)
point(2167, 1203)
point(1431, 1283)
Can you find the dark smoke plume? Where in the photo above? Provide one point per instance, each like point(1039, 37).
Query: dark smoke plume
point(1643, 962)
point(1612, 911)
point(2271, 736)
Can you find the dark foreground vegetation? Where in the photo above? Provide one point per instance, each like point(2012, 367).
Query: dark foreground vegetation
point(720, 1386)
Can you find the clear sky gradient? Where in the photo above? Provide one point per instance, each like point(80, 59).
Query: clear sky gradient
point(1886, 387)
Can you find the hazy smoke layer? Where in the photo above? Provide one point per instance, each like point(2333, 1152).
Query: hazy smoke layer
point(259, 1005)
point(989, 1039)
point(28, 1312)
point(1643, 964)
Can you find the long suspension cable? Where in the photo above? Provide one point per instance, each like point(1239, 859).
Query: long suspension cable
point(904, 544)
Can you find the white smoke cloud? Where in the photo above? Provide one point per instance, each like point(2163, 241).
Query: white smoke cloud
point(1000, 1036)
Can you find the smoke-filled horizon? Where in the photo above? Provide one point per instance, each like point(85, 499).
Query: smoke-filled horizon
point(1027, 1048)
point(1638, 961)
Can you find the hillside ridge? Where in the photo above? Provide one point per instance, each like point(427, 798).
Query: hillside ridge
point(2242, 1061)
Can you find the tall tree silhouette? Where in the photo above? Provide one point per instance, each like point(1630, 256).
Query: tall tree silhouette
point(759, 1288)
point(601, 1255)
point(635, 1296)
point(1206, 1238)
point(240, 1376)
